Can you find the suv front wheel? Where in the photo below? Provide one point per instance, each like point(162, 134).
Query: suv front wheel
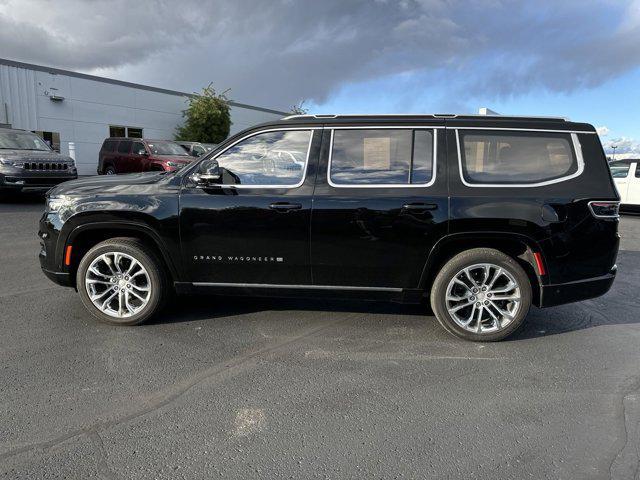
point(481, 295)
point(121, 281)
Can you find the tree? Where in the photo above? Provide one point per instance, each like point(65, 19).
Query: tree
point(299, 109)
point(207, 119)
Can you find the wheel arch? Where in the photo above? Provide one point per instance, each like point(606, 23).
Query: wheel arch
point(519, 247)
point(85, 236)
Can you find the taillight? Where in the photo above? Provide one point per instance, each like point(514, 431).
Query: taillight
point(604, 209)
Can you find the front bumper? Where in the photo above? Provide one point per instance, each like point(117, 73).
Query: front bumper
point(558, 294)
point(33, 181)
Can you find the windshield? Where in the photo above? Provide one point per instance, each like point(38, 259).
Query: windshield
point(22, 141)
point(167, 148)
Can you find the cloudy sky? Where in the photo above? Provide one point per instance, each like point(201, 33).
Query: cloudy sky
point(579, 59)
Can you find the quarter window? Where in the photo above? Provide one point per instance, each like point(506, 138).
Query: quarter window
point(516, 157)
point(270, 158)
point(381, 157)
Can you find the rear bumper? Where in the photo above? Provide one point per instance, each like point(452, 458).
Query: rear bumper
point(558, 294)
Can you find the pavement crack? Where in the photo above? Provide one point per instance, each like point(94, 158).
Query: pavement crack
point(625, 464)
point(176, 391)
point(103, 466)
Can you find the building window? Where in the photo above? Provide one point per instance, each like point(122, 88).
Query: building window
point(51, 138)
point(134, 132)
point(119, 131)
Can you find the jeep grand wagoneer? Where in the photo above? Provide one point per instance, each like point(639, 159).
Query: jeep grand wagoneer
point(482, 216)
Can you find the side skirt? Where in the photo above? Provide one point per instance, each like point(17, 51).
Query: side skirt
point(302, 291)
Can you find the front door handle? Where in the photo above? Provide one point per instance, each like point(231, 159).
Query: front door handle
point(285, 207)
point(420, 207)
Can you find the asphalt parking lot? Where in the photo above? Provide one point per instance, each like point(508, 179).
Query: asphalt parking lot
point(254, 388)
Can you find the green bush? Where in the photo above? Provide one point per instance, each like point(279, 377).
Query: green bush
point(207, 119)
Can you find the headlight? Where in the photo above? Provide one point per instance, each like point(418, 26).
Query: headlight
point(56, 203)
point(6, 161)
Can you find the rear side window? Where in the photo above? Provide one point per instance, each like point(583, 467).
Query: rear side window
point(620, 170)
point(497, 157)
point(124, 147)
point(109, 146)
point(386, 157)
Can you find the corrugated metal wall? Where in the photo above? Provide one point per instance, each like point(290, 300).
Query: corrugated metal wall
point(18, 97)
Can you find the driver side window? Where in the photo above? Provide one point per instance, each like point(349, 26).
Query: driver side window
point(267, 159)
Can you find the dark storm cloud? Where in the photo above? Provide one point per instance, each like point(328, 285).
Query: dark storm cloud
point(275, 53)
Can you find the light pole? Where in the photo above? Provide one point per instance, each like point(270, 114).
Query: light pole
point(613, 147)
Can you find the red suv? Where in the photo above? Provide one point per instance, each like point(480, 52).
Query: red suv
point(127, 155)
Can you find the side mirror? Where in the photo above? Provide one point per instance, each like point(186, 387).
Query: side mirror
point(209, 173)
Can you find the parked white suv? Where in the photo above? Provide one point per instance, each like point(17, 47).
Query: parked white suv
point(626, 175)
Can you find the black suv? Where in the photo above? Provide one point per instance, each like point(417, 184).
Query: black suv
point(27, 163)
point(484, 216)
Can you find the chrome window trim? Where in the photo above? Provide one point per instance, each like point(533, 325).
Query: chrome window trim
point(387, 185)
point(544, 130)
point(576, 146)
point(253, 134)
point(277, 285)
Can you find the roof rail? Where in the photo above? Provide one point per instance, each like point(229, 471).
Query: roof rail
point(434, 115)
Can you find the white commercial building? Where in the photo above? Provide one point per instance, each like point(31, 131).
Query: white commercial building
point(63, 107)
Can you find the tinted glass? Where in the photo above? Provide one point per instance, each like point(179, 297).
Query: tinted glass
point(134, 132)
point(21, 141)
point(117, 131)
point(504, 157)
point(167, 148)
point(138, 148)
point(619, 170)
point(109, 146)
point(422, 170)
point(198, 149)
point(381, 157)
point(270, 158)
point(124, 146)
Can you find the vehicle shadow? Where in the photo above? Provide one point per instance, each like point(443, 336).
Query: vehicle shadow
point(18, 199)
point(188, 308)
point(620, 306)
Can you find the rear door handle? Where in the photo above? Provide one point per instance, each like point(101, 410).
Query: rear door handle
point(285, 207)
point(420, 207)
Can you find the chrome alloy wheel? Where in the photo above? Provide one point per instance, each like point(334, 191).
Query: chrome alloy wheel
point(483, 298)
point(117, 284)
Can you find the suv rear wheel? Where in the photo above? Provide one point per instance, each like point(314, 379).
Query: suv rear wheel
point(481, 295)
point(121, 281)
point(109, 170)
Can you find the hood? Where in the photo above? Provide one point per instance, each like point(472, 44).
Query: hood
point(111, 184)
point(34, 155)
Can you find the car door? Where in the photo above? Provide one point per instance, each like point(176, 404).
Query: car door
point(139, 157)
point(633, 187)
point(123, 157)
point(380, 204)
point(253, 228)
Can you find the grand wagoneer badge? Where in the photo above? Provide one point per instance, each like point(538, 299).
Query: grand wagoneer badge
point(237, 259)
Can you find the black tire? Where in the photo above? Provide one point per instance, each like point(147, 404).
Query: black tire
point(147, 257)
point(110, 170)
point(464, 260)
